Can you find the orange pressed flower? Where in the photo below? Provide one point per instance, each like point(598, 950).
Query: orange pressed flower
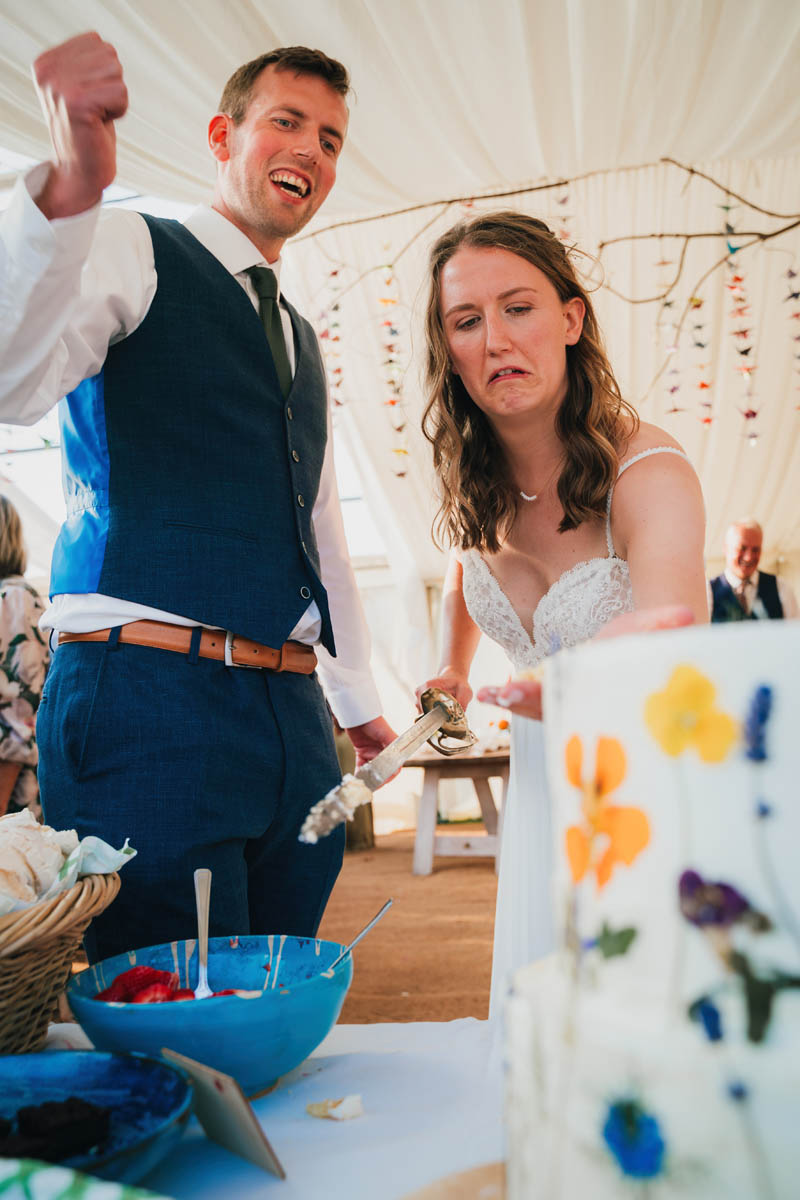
point(609, 833)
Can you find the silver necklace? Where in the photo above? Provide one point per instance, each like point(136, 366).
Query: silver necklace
point(538, 495)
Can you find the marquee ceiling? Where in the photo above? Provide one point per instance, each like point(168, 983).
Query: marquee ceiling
point(462, 98)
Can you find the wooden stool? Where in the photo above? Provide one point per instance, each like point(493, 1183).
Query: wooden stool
point(480, 768)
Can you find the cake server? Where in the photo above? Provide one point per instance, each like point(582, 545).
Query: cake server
point(442, 718)
point(442, 715)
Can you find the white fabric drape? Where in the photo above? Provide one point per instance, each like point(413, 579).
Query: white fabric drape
point(470, 96)
point(453, 97)
point(747, 465)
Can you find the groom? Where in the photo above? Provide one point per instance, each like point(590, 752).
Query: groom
point(202, 571)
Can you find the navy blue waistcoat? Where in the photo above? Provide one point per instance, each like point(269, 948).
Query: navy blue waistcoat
point(727, 607)
point(189, 480)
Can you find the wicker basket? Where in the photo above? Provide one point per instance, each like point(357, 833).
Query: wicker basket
point(37, 946)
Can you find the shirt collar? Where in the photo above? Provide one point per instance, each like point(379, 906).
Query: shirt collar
point(735, 581)
point(227, 243)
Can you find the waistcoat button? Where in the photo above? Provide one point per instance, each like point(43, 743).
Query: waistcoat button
point(305, 593)
point(301, 501)
point(295, 456)
point(289, 411)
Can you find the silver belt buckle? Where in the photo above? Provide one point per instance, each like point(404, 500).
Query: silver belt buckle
point(229, 655)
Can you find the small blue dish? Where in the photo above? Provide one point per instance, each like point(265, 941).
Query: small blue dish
point(255, 1039)
point(150, 1104)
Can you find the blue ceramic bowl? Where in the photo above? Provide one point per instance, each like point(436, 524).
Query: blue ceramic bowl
point(150, 1102)
point(255, 1040)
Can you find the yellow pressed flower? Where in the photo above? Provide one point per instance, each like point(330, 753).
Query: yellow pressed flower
point(683, 715)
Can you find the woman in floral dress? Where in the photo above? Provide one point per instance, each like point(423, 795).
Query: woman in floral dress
point(24, 657)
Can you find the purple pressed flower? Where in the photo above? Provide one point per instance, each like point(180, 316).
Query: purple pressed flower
point(705, 903)
point(755, 724)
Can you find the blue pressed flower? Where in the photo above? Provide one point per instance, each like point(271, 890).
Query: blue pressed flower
point(634, 1138)
point(763, 810)
point(705, 903)
point(738, 1091)
point(755, 724)
point(708, 1015)
point(588, 943)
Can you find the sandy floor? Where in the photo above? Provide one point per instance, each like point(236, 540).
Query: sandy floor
point(430, 957)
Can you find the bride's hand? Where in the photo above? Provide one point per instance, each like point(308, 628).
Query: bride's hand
point(523, 697)
point(448, 681)
point(647, 620)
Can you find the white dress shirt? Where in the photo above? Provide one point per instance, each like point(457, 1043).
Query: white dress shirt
point(71, 288)
point(791, 609)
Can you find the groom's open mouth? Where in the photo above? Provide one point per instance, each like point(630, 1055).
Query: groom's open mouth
point(291, 184)
point(507, 373)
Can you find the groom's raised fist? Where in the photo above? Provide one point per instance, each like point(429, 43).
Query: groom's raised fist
point(82, 93)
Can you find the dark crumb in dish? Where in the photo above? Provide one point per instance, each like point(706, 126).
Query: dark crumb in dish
point(55, 1130)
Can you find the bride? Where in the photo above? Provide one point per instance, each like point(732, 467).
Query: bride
point(561, 508)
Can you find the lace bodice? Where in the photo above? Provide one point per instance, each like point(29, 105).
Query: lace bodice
point(572, 610)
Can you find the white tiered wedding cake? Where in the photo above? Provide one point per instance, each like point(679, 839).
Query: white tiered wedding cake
point(658, 1053)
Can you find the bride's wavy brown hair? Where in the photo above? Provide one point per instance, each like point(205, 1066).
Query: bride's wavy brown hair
point(479, 499)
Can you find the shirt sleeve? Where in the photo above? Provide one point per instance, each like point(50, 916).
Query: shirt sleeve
point(346, 679)
point(791, 610)
point(69, 288)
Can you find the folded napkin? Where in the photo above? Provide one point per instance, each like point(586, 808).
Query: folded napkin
point(38, 862)
point(21, 1179)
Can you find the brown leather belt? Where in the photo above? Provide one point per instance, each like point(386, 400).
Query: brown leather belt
point(214, 643)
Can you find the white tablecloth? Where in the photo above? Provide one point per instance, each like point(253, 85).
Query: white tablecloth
point(432, 1095)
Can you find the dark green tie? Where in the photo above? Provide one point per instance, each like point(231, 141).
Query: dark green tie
point(266, 286)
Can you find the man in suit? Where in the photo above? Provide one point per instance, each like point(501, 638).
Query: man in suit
point(742, 592)
point(202, 572)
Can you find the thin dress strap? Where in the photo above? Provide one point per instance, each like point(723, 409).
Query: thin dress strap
point(624, 467)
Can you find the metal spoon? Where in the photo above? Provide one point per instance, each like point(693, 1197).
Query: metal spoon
point(359, 936)
point(202, 895)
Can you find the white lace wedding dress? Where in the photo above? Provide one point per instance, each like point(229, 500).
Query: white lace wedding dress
point(576, 606)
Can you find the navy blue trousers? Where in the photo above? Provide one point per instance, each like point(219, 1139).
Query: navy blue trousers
point(199, 765)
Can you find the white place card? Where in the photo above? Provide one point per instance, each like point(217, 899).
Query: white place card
point(226, 1114)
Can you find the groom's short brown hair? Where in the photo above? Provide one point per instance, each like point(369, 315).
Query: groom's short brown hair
point(298, 59)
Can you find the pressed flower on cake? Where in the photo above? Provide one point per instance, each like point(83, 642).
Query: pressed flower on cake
point(634, 1138)
point(683, 716)
point(755, 725)
point(610, 834)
